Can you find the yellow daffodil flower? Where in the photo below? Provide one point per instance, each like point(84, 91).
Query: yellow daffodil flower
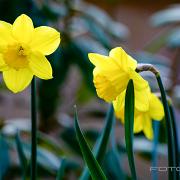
point(22, 52)
point(142, 119)
point(112, 74)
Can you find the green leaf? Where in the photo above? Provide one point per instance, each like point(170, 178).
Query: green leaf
point(113, 159)
point(99, 149)
point(61, 170)
point(94, 167)
point(21, 154)
point(129, 126)
point(4, 157)
point(112, 167)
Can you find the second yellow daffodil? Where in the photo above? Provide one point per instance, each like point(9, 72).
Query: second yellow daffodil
point(22, 52)
point(112, 74)
point(142, 119)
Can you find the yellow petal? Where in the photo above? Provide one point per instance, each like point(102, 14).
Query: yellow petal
point(6, 33)
point(142, 100)
point(109, 83)
point(17, 80)
point(147, 127)
point(99, 60)
point(138, 123)
point(119, 102)
point(40, 66)
point(23, 29)
point(142, 92)
point(45, 40)
point(138, 117)
point(156, 110)
point(120, 114)
point(3, 65)
point(123, 59)
point(139, 82)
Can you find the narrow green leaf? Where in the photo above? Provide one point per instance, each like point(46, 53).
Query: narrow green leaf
point(61, 170)
point(4, 156)
point(94, 167)
point(129, 126)
point(22, 157)
point(114, 157)
point(99, 149)
point(169, 130)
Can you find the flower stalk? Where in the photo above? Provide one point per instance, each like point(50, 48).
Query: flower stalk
point(33, 130)
point(175, 136)
point(172, 142)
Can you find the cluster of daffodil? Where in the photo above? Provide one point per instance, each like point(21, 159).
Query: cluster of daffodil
point(111, 76)
point(22, 55)
point(22, 52)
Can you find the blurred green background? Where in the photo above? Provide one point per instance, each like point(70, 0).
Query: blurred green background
point(147, 30)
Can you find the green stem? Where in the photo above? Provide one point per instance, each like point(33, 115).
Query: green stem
point(33, 130)
point(170, 126)
point(169, 129)
point(175, 138)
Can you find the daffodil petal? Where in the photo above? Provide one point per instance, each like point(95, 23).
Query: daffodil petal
point(45, 40)
point(156, 108)
point(99, 60)
point(17, 80)
point(142, 91)
point(23, 29)
point(6, 34)
point(120, 114)
point(122, 58)
point(119, 102)
point(147, 127)
point(3, 65)
point(40, 66)
point(138, 123)
point(142, 100)
point(139, 82)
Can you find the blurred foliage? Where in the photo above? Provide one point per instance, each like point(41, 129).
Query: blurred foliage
point(85, 28)
point(169, 39)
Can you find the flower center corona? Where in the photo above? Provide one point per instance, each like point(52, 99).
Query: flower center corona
point(15, 56)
